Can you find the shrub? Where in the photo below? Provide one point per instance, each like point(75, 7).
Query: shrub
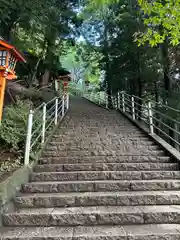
point(14, 125)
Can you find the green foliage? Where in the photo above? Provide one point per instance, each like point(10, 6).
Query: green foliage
point(13, 128)
point(84, 63)
point(162, 19)
point(39, 28)
point(14, 125)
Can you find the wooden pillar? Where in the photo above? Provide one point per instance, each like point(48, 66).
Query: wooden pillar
point(2, 92)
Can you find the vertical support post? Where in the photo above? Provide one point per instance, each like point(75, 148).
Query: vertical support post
point(43, 124)
point(151, 127)
point(123, 102)
point(67, 101)
point(133, 108)
point(63, 106)
point(2, 91)
point(56, 112)
point(28, 138)
point(119, 104)
point(117, 101)
point(176, 136)
point(106, 99)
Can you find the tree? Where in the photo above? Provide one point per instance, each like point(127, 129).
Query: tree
point(83, 63)
point(162, 19)
point(39, 28)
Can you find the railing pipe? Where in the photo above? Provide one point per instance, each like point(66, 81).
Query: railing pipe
point(28, 138)
point(63, 106)
point(133, 109)
point(56, 112)
point(123, 102)
point(150, 114)
point(119, 103)
point(106, 99)
point(67, 101)
point(44, 123)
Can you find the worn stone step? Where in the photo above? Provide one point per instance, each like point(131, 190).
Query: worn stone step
point(153, 152)
point(103, 159)
point(73, 148)
point(104, 186)
point(100, 215)
point(107, 167)
point(37, 233)
point(104, 175)
point(63, 142)
point(91, 153)
point(121, 150)
point(149, 147)
point(129, 232)
point(130, 198)
point(147, 142)
point(123, 132)
point(86, 141)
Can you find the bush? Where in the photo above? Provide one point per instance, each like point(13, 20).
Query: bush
point(14, 125)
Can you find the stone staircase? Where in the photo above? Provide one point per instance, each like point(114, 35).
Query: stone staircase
point(100, 178)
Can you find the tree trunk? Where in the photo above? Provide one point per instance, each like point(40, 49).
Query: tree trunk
point(107, 66)
point(139, 85)
point(165, 63)
point(157, 116)
point(45, 78)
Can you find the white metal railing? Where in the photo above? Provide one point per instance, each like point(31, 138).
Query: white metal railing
point(100, 98)
point(41, 120)
point(160, 119)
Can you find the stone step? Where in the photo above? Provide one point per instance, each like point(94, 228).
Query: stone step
point(104, 159)
point(83, 134)
point(104, 186)
point(123, 152)
point(100, 215)
point(104, 175)
point(76, 143)
point(78, 199)
point(86, 141)
point(129, 232)
point(69, 148)
point(107, 167)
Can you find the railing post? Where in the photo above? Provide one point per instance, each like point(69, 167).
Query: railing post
point(43, 124)
point(151, 127)
point(113, 102)
point(176, 136)
point(119, 101)
point(133, 109)
point(123, 102)
point(106, 99)
point(63, 106)
point(28, 138)
point(116, 101)
point(56, 112)
point(67, 101)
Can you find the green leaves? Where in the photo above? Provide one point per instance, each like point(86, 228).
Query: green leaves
point(162, 20)
point(83, 63)
point(14, 125)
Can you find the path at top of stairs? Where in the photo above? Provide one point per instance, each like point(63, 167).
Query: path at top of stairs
point(99, 178)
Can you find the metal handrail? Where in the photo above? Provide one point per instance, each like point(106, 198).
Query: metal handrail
point(44, 118)
point(146, 111)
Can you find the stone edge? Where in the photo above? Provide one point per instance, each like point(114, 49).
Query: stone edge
point(166, 146)
point(12, 184)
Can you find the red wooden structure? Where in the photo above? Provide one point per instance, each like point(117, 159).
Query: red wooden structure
point(9, 56)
